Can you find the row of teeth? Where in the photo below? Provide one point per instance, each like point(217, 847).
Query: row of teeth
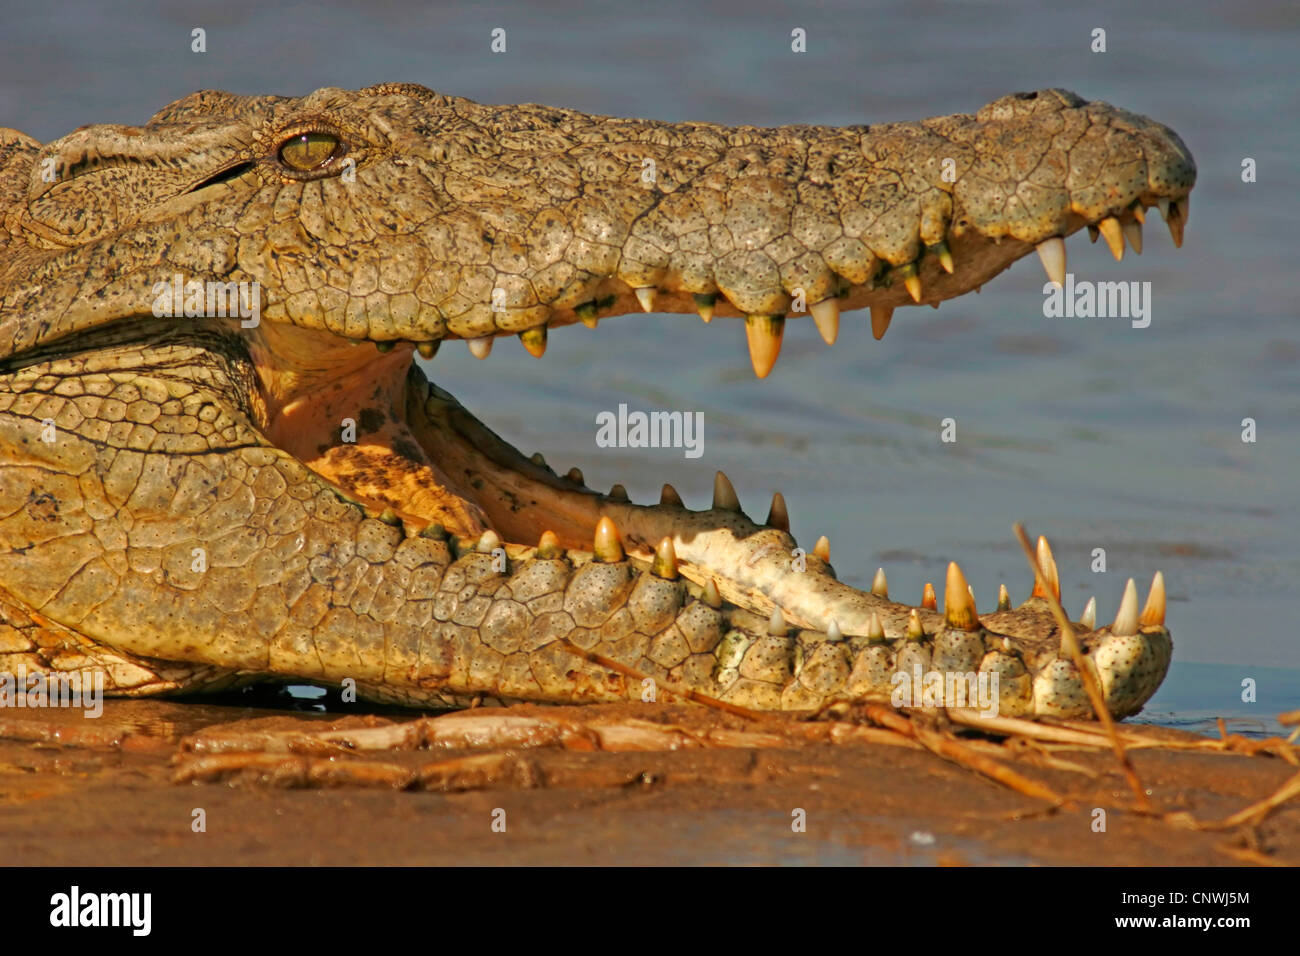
point(764, 332)
point(959, 597)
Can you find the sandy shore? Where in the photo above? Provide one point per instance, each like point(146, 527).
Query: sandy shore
point(80, 792)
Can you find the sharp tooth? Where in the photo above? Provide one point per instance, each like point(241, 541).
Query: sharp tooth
point(822, 549)
point(875, 630)
point(428, 349)
point(880, 586)
point(1004, 599)
point(607, 546)
point(959, 601)
point(618, 492)
point(665, 562)
point(764, 335)
point(646, 296)
point(704, 305)
point(488, 542)
point(480, 347)
point(1089, 616)
point(1048, 564)
point(712, 597)
point(1139, 211)
point(1126, 618)
point(1093, 232)
point(777, 516)
point(1153, 615)
point(826, 314)
point(1163, 204)
point(833, 632)
point(587, 312)
point(911, 279)
point(776, 623)
point(1133, 233)
point(928, 598)
point(575, 475)
point(1114, 236)
point(1052, 253)
point(1176, 220)
point(548, 546)
point(669, 498)
point(881, 316)
point(534, 341)
point(914, 629)
point(724, 495)
point(941, 250)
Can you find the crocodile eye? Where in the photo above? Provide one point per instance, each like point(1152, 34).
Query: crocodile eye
point(308, 151)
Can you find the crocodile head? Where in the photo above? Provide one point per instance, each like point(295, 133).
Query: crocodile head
point(362, 227)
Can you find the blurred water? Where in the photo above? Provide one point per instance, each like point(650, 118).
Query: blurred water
point(1095, 433)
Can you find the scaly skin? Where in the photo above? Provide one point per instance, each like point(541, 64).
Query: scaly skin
point(180, 508)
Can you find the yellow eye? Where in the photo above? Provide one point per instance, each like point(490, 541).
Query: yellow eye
point(308, 151)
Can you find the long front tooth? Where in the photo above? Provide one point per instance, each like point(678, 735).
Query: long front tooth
point(1133, 233)
point(881, 316)
point(724, 495)
point(1126, 618)
point(1052, 253)
point(1153, 615)
point(1048, 565)
point(777, 516)
point(480, 347)
point(958, 601)
point(534, 340)
point(822, 549)
point(880, 586)
point(764, 333)
point(646, 296)
point(704, 302)
point(1114, 236)
point(607, 546)
point(1089, 616)
point(826, 314)
point(928, 598)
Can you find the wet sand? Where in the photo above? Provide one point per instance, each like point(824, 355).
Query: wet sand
point(78, 792)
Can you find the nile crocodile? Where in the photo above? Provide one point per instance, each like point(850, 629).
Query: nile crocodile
point(183, 507)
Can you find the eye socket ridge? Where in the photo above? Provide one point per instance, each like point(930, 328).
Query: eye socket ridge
point(310, 151)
